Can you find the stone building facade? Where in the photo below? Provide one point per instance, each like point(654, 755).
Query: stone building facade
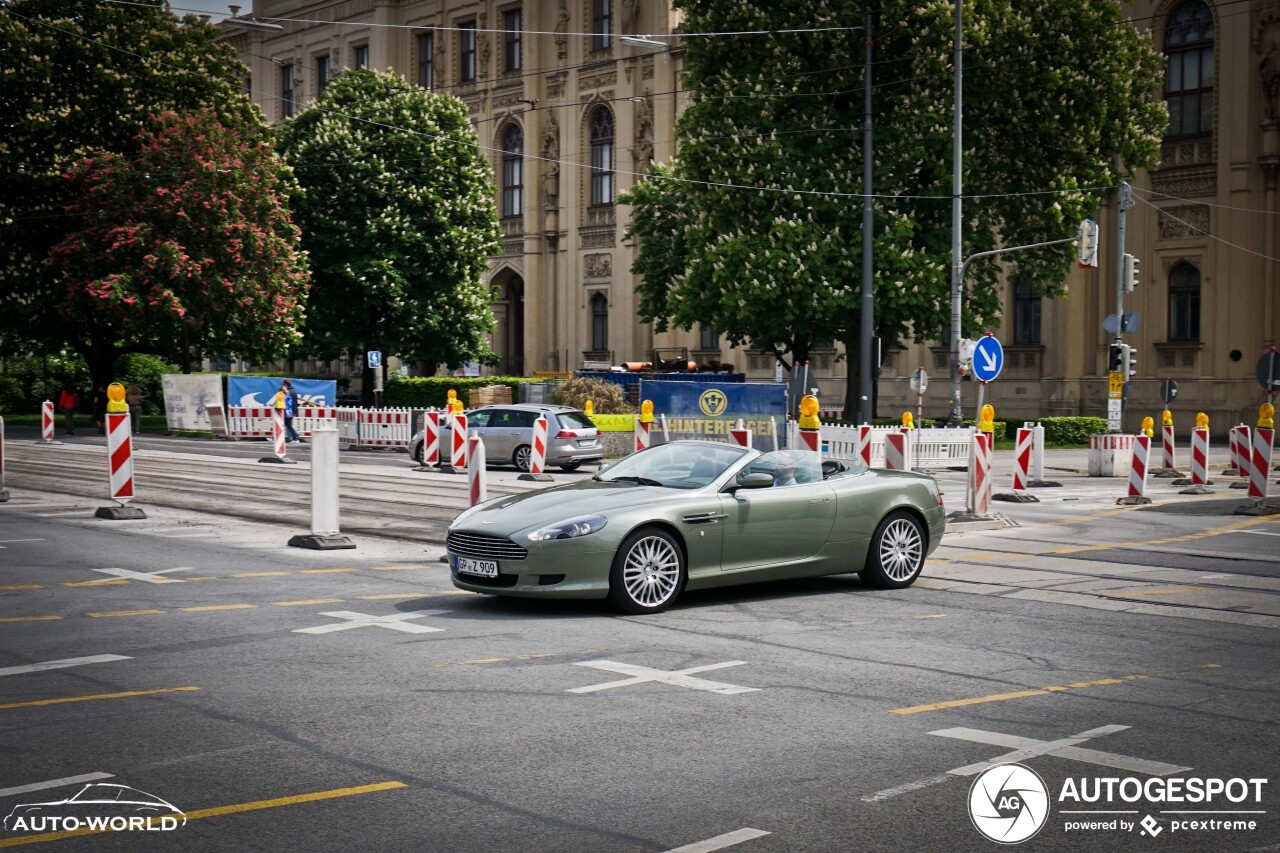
point(571, 115)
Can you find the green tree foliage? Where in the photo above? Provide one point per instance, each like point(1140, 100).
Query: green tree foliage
point(186, 246)
point(755, 229)
point(78, 78)
point(399, 221)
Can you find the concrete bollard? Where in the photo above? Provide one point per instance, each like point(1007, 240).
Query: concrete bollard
point(325, 534)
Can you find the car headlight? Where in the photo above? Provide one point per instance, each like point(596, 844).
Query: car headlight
point(572, 528)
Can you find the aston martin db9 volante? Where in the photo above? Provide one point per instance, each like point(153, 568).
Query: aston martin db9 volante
point(698, 514)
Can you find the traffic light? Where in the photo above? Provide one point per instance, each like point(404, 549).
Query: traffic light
point(1128, 361)
point(1131, 273)
point(1114, 356)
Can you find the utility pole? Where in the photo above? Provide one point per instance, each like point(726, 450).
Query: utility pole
point(866, 373)
point(957, 262)
point(1115, 404)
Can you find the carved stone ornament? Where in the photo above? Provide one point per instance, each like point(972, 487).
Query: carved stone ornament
point(562, 27)
point(642, 150)
point(551, 138)
point(598, 266)
point(1266, 44)
point(1179, 223)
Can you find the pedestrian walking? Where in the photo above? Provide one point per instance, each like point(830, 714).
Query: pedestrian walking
point(133, 396)
point(67, 405)
point(288, 402)
point(100, 409)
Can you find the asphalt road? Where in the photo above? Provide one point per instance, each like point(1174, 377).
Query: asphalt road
point(818, 715)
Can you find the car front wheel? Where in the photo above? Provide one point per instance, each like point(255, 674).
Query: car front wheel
point(417, 453)
point(897, 552)
point(648, 572)
point(523, 457)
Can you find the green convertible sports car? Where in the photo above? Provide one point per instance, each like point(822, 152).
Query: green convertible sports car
point(697, 514)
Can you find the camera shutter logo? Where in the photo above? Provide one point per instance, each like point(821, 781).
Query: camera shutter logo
point(1009, 803)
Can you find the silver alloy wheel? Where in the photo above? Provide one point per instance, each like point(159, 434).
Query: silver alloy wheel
point(651, 572)
point(901, 549)
point(523, 457)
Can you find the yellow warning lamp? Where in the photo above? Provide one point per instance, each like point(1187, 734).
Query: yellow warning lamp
point(809, 412)
point(1202, 420)
point(453, 395)
point(457, 406)
point(115, 398)
point(1266, 416)
point(1166, 418)
point(589, 409)
point(1148, 425)
point(646, 412)
point(908, 422)
point(987, 419)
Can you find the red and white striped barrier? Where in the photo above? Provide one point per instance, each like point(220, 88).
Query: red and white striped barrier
point(980, 474)
point(46, 422)
point(810, 439)
point(385, 428)
point(311, 418)
point(277, 432)
point(1199, 457)
point(1241, 451)
point(740, 435)
point(458, 443)
point(1022, 458)
point(1260, 467)
point(538, 452)
point(1138, 469)
point(831, 413)
point(431, 438)
point(250, 421)
point(475, 469)
point(864, 444)
point(348, 423)
point(1167, 450)
point(641, 435)
point(120, 456)
point(895, 451)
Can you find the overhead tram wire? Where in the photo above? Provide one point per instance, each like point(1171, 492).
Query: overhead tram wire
point(1197, 229)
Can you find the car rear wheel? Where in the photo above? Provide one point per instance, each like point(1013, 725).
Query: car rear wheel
point(648, 572)
point(897, 552)
point(523, 457)
point(571, 466)
point(418, 453)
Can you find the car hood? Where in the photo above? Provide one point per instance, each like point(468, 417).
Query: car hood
point(513, 513)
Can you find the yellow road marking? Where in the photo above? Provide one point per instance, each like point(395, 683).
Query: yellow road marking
point(1170, 591)
point(392, 596)
point(307, 601)
point(221, 810)
point(325, 571)
point(487, 660)
point(125, 695)
point(115, 582)
point(22, 586)
point(534, 656)
point(217, 607)
point(201, 578)
point(1203, 534)
point(28, 618)
point(1017, 694)
point(124, 613)
point(258, 574)
point(931, 616)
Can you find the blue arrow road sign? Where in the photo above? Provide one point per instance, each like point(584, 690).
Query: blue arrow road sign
point(988, 358)
point(375, 359)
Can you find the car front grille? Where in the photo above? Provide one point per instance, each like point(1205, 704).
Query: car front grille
point(482, 546)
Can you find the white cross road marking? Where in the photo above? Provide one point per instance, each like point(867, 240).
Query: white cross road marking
point(18, 540)
point(1260, 532)
point(148, 577)
point(1068, 748)
point(61, 664)
point(678, 678)
point(395, 622)
point(721, 841)
point(55, 783)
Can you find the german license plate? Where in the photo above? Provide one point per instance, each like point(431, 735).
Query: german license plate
point(586, 442)
point(484, 568)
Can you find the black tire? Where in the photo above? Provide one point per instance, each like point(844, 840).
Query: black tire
point(419, 453)
point(648, 572)
point(571, 466)
point(522, 458)
point(896, 555)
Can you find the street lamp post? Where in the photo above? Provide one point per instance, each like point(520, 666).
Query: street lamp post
point(957, 262)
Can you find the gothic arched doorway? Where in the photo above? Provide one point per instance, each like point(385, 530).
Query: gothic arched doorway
point(508, 311)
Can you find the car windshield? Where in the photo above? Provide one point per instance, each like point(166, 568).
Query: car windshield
point(676, 466)
point(787, 467)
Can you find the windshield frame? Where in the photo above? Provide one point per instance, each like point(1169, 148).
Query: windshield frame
point(641, 464)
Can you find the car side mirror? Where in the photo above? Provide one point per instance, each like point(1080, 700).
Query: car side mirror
point(758, 480)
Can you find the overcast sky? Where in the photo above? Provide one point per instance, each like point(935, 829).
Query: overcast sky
point(217, 8)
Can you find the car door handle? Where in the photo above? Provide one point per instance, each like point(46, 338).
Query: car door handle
point(704, 517)
point(819, 500)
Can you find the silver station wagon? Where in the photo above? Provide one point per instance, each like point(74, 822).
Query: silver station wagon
point(507, 433)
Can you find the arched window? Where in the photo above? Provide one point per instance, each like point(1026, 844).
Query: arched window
point(1188, 79)
point(1184, 303)
point(599, 323)
point(602, 156)
point(512, 171)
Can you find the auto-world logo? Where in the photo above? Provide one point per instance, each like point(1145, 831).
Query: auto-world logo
point(713, 402)
point(1009, 803)
point(98, 808)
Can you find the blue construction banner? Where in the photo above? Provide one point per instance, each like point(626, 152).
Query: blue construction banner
point(261, 390)
point(708, 410)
